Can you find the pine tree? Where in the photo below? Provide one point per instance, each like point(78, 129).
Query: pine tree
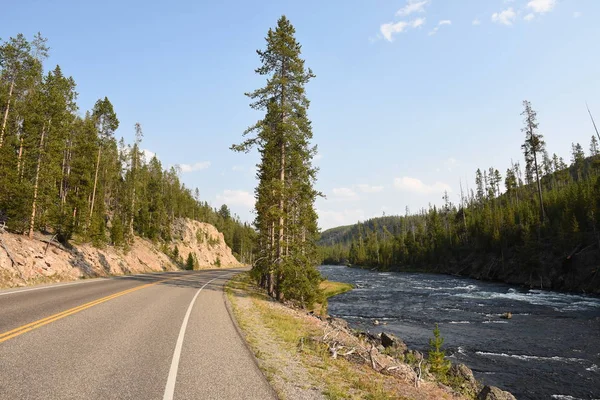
point(534, 144)
point(286, 219)
point(594, 149)
point(438, 364)
point(106, 123)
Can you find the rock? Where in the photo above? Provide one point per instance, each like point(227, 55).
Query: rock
point(376, 322)
point(389, 340)
point(469, 385)
point(506, 315)
point(380, 348)
point(493, 393)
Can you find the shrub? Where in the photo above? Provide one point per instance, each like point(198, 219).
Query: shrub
point(438, 365)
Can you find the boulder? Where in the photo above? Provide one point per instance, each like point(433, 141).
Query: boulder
point(467, 383)
point(389, 340)
point(493, 393)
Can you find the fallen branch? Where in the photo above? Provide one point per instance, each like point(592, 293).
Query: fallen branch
point(7, 252)
point(48, 243)
point(418, 375)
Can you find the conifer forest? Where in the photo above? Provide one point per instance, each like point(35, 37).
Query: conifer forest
point(537, 223)
point(63, 171)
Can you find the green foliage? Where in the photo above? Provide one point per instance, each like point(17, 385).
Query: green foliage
point(63, 171)
point(117, 234)
point(438, 365)
point(190, 263)
point(218, 262)
point(285, 217)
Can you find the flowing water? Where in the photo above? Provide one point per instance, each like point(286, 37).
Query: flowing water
point(549, 349)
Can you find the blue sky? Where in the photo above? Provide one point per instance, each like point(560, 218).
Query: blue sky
point(410, 96)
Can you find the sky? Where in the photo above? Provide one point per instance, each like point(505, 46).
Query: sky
point(410, 96)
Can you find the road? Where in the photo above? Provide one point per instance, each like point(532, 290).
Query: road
point(155, 336)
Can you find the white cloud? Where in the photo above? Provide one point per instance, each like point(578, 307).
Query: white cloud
point(236, 197)
point(414, 185)
point(412, 6)
point(476, 21)
point(417, 22)
point(344, 194)
point(541, 6)
point(388, 30)
point(330, 219)
point(437, 28)
point(529, 17)
point(194, 167)
point(506, 17)
point(577, 14)
point(369, 189)
point(148, 155)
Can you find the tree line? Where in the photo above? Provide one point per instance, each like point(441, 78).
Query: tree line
point(548, 211)
point(65, 173)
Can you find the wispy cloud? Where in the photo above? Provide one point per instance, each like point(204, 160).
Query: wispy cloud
point(411, 7)
point(577, 14)
point(369, 188)
point(437, 27)
point(389, 29)
point(541, 6)
point(194, 167)
point(237, 197)
point(529, 17)
point(476, 21)
point(344, 194)
point(329, 219)
point(414, 185)
point(505, 17)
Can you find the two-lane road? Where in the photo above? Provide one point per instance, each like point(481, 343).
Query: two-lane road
point(158, 336)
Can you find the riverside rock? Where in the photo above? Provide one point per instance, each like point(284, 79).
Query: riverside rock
point(389, 340)
point(493, 393)
point(469, 385)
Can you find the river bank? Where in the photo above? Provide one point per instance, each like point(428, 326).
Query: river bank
point(307, 356)
point(548, 348)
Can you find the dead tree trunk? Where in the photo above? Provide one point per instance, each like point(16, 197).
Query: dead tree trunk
point(10, 92)
point(95, 185)
point(37, 180)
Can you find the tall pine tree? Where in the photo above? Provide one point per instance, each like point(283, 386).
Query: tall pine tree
point(286, 219)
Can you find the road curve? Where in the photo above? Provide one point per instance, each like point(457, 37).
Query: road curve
point(154, 336)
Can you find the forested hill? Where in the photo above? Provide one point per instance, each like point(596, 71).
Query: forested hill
point(508, 235)
point(62, 171)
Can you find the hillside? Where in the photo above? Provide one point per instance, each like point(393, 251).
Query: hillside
point(492, 234)
point(37, 261)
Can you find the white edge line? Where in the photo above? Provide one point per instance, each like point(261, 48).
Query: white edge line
point(170, 387)
point(53, 286)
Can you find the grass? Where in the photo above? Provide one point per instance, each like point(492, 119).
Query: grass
point(291, 332)
point(331, 289)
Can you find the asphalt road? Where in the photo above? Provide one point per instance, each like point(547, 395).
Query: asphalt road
point(159, 336)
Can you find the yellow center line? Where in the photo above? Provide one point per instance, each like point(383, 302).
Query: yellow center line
point(44, 321)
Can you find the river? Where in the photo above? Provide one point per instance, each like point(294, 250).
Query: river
point(549, 349)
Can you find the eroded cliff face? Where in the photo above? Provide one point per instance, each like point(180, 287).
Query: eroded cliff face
point(205, 243)
point(35, 261)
